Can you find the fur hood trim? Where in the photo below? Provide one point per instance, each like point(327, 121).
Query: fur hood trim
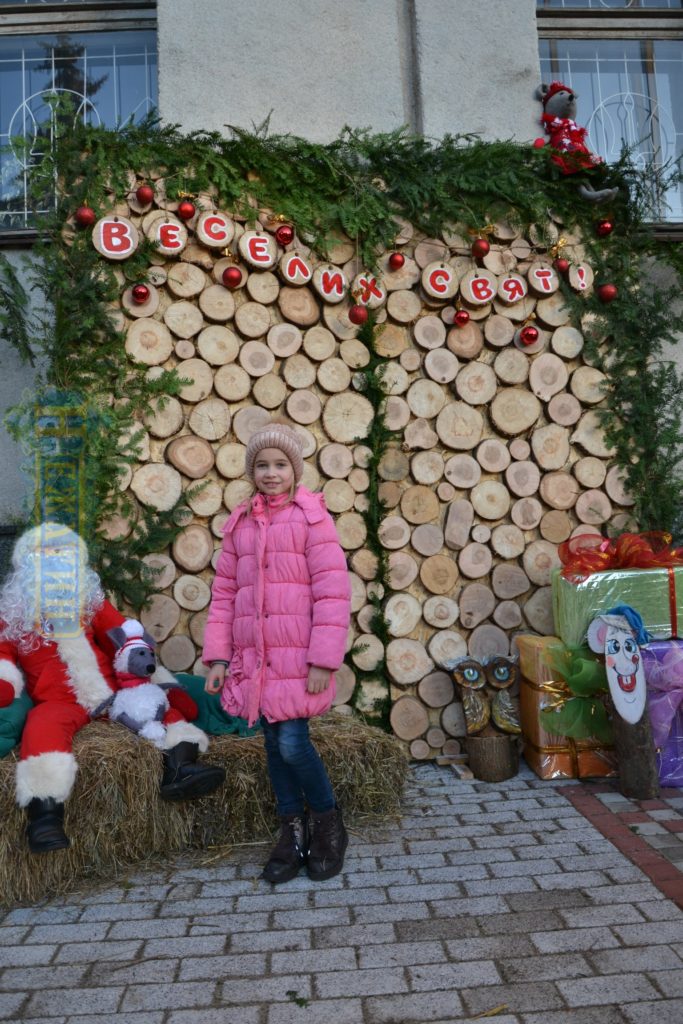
point(83, 673)
point(12, 674)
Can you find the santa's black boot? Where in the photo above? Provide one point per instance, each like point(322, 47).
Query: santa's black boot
point(184, 777)
point(288, 855)
point(45, 829)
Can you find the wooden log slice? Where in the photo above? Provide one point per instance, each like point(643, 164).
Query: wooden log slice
point(617, 487)
point(393, 465)
point(419, 434)
point(217, 345)
point(459, 519)
point(205, 497)
point(184, 319)
point(354, 353)
point(439, 574)
point(358, 592)
point(474, 561)
point(192, 548)
point(511, 366)
point(347, 418)
point(394, 532)
point(490, 499)
point(346, 684)
point(160, 616)
point(555, 526)
point(539, 559)
point(404, 306)
point(589, 471)
point(593, 507)
point(253, 320)
point(410, 360)
point(230, 460)
point(453, 719)
point(232, 382)
point(481, 533)
point(526, 513)
point(164, 416)
point(581, 277)
point(299, 371)
point(547, 376)
point(476, 604)
point(478, 288)
point(426, 398)
point(407, 662)
point(369, 653)
point(319, 343)
point(191, 592)
point(538, 611)
point(462, 471)
point(284, 340)
point(588, 385)
point(256, 358)
point(487, 641)
point(564, 409)
point(567, 342)
point(493, 456)
point(403, 570)
point(337, 321)
point(550, 446)
point(559, 490)
point(429, 332)
point(263, 287)
point(140, 309)
point(519, 311)
point(269, 391)
point(217, 303)
point(476, 383)
point(199, 376)
point(430, 250)
point(408, 718)
point(589, 434)
point(419, 750)
point(419, 504)
point(210, 419)
point(334, 375)
point(440, 611)
point(499, 331)
point(459, 426)
point(427, 467)
point(508, 582)
point(391, 341)
point(364, 563)
point(523, 478)
point(441, 365)
point(247, 420)
point(148, 342)
point(197, 626)
point(351, 530)
point(543, 278)
point(177, 654)
point(507, 540)
point(436, 690)
point(427, 539)
point(402, 612)
point(513, 410)
point(465, 342)
point(191, 456)
point(157, 486)
point(519, 449)
point(339, 495)
point(304, 406)
point(507, 615)
point(218, 523)
point(335, 460)
point(158, 571)
point(553, 311)
point(446, 647)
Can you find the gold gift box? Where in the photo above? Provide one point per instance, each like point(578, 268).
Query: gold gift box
point(551, 756)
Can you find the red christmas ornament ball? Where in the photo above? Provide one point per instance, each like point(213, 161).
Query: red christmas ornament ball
point(358, 315)
point(561, 265)
point(396, 260)
point(528, 335)
point(85, 216)
point(140, 293)
point(607, 292)
point(604, 228)
point(539, 143)
point(186, 210)
point(144, 194)
point(480, 248)
point(461, 318)
point(232, 277)
point(284, 234)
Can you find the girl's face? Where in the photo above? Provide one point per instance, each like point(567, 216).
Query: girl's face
point(273, 472)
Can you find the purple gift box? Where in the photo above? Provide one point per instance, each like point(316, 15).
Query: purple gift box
point(663, 663)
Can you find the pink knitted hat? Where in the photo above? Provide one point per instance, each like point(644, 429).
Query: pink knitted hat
point(276, 435)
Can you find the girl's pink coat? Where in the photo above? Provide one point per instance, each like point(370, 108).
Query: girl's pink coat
point(280, 603)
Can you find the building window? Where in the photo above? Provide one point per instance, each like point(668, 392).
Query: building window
point(102, 61)
point(624, 59)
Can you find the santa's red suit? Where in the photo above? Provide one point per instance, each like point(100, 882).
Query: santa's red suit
point(70, 679)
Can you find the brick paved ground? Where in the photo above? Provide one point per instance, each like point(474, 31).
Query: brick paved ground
point(485, 897)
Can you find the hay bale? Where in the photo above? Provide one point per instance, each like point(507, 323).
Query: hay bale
point(115, 817)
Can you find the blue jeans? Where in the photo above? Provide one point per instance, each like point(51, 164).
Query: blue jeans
point(296, 771)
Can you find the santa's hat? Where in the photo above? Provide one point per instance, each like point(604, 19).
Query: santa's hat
point(553, 88)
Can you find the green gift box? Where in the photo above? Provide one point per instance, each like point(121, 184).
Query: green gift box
point(657, 594)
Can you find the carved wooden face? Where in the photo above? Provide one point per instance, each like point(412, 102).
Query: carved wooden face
point(470, 674)
point(501, 672)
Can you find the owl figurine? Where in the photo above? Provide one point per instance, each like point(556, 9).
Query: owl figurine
point(501, 675)
point(471, 678)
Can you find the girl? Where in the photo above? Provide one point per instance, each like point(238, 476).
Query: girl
point(275, 634)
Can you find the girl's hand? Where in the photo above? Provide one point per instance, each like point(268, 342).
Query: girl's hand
point(215, 678)
point(318, 679)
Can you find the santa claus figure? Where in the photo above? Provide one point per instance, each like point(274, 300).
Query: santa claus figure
point(54, 620)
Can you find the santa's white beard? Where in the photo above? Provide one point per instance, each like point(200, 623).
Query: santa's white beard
point(29, 609)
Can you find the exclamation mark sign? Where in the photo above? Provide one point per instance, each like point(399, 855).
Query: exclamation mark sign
point(581, 274)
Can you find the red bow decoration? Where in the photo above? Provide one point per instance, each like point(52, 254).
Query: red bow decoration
point(588, 553)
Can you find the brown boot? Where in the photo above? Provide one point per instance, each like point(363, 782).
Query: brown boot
point(327, 846)
point(289, 853)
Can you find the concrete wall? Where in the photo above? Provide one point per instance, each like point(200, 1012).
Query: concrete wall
point(436, 65)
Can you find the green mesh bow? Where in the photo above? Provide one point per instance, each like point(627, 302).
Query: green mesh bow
point(579, 711)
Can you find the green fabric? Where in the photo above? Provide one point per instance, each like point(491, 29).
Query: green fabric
point(647, 590)
point(12, 720)
point(212, 718)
